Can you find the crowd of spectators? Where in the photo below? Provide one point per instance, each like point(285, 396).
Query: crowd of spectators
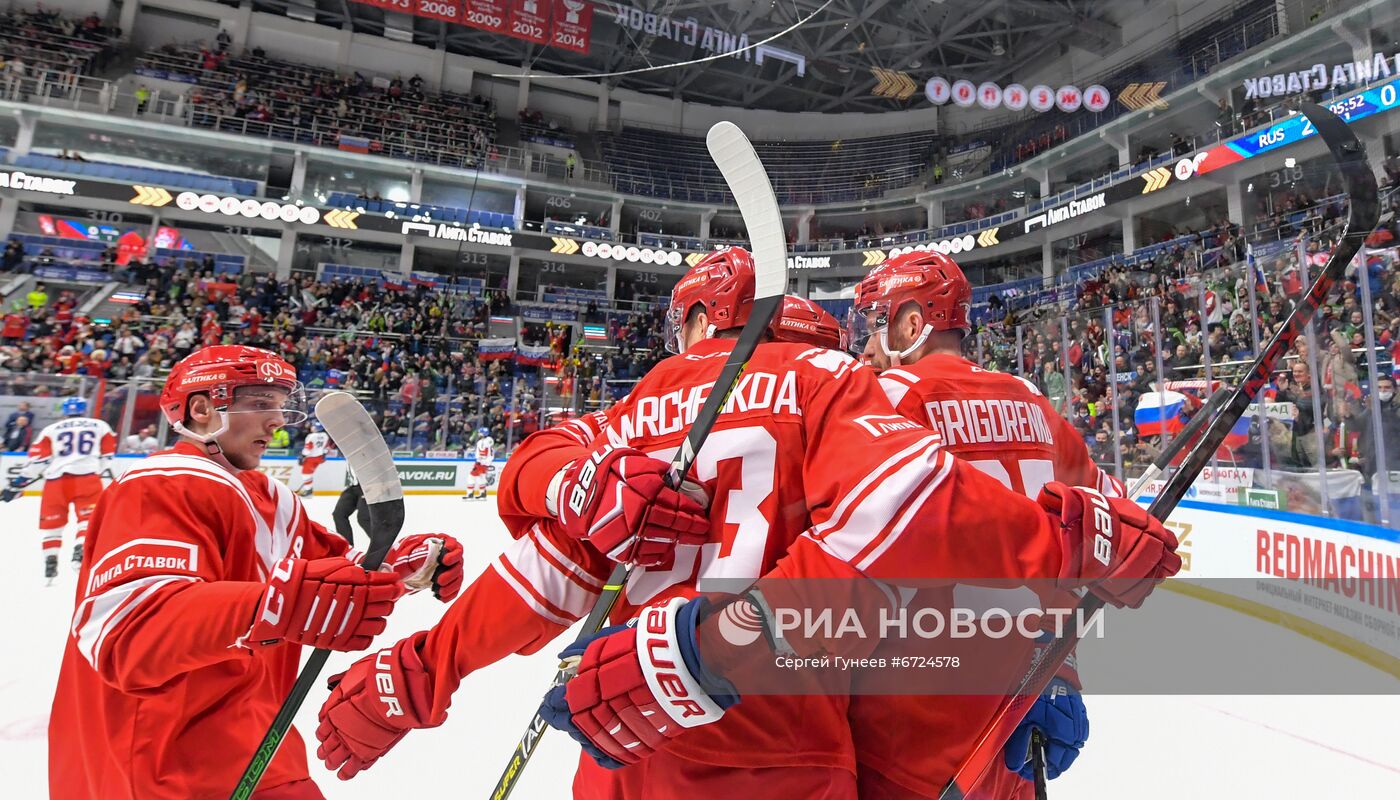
point(411, 353)
point(46, 43)
point(1204, 335)
point(394, 116)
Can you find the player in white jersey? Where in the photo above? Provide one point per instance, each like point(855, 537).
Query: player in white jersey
point(70, 455)
point(485, 454)
point(313, 455)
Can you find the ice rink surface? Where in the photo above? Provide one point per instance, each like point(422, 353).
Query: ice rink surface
point(1139, 747)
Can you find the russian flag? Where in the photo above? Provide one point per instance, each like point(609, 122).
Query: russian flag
point(353, 144)
point(495, 349)
point(595, 333)
point(1159, 412)
point(502, 320)
point(1261, 284)
point(533, 355)
point(1236, 438)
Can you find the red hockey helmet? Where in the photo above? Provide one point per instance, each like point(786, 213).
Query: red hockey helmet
point(218, 372)
point(722, 283)
point(932, 281)
point(804, 322)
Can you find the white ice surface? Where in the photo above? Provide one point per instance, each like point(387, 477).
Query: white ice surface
point(1140, 747)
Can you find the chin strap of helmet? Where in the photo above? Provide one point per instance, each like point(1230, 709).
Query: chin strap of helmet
point(209, 440)
point(897, 357)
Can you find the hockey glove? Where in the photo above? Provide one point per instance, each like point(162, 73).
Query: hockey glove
point(372, 705)
point(617, 499)
point(1062, 720)
point(428, 559)
point(1112, 545)
point(330, 603)
point(638, 686)
point(15, 489)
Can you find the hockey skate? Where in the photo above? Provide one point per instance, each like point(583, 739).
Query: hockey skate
point(77, 556)
point(51, 567)
point(304, 491)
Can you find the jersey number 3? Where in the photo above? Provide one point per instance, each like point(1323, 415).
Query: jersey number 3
point(740, 554)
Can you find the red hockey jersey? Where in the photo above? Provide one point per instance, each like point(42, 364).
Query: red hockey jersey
point(154, 698)
point(1005, 427)
point(807, 462)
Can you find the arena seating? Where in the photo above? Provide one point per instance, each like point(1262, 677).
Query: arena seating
point(664, 164)
point(314, 104)
point(47, 41)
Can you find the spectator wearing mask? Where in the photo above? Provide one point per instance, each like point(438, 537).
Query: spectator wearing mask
point(1389, 417)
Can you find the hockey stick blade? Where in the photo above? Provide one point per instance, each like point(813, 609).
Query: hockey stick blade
point(744, 174)
point(353, 430)
point(1362, 216)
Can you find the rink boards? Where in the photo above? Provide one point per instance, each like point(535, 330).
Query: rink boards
point(419, 475)
point(1334, 581)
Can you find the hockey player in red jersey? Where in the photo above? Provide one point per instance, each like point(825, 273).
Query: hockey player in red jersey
point(203, 579)
point(908, 321)
point(70, 455)
point(811, 474)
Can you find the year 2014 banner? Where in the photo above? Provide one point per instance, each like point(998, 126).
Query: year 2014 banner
point(558, 23)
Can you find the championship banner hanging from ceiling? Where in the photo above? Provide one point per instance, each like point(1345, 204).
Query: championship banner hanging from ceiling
point(567, 24)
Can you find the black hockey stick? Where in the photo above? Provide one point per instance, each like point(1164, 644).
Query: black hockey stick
point(748, 182)
point(359, 440)
point(1362, 216)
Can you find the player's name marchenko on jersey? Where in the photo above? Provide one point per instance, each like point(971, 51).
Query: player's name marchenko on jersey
point(990, 422)
point(674, 411)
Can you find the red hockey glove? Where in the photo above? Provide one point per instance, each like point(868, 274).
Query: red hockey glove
point(638, 686)
point(372, 705)
point(617, 499)
point(330, 603)
point(1112, 545)
point(428, 559)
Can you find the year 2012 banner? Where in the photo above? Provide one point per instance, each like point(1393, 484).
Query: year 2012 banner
point(558, 23)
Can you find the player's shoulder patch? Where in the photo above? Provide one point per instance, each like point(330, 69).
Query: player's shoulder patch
point(142, 556)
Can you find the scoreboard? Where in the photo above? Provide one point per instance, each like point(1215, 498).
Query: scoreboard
point(1353, 108)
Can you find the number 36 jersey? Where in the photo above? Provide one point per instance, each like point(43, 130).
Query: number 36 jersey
point(73, 446)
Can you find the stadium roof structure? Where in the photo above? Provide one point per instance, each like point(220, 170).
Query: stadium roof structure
point(826, 64)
